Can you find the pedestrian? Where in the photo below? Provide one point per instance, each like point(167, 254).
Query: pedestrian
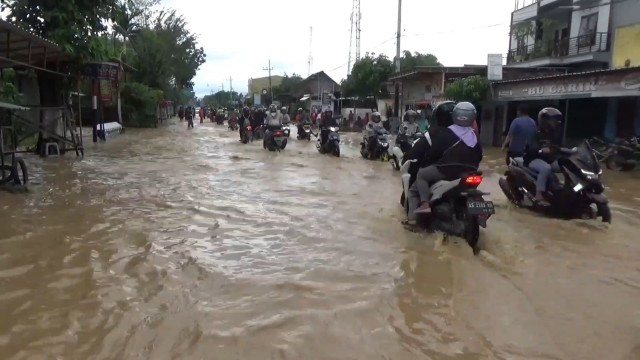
point(189, 114)
point(202, 114)
point(352, 118)
point(521, 131)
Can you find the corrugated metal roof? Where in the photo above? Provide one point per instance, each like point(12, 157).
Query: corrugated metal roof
point(582, 73)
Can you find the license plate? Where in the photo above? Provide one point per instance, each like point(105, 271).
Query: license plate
point(480, 208)
point(278, 139)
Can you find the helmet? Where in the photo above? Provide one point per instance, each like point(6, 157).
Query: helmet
point(410, 116)
point(549, 120)
point(464, 114)
point(376, 117)
point(300, 110)
point(283, 110)
point(441, 114)
point(246, 111)
point(273, 108)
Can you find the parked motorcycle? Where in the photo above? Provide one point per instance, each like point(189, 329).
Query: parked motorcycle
point(580, 196)
point(381, 147)
point(624, 155)
point(247, 135)
point(457, 207)
point(332, 146)
point(305, 133)
point(403, 144)
point(274, 140)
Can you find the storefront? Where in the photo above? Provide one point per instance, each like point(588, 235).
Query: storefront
point(597, 103)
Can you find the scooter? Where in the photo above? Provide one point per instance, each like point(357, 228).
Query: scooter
point(305, 133)
point(381, 148)
point(286, 130)
point(580, 196)
point(247, 135)
point(457, 207)
point(274, 140)
point(332, 146)
point(258, 132)
point(403, 144)
point(233, 124)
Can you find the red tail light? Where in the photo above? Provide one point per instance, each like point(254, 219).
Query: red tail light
point(473, 180)
point(278, 133)
point(249, 128)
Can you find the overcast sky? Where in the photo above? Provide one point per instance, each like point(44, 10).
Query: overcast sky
point(239, 37)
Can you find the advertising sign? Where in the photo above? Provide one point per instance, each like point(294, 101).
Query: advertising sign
point(494, 67)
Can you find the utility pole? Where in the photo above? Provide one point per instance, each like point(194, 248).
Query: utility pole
point(270, 88)
point(231, 88)
point(358, 29)
point(310, 62)
point(396, 103)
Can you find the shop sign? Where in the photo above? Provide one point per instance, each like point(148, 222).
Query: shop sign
point(602, 85)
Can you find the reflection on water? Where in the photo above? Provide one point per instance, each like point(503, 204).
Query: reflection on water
point(170, 243)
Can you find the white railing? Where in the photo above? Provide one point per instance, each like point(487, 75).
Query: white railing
point(524, 3)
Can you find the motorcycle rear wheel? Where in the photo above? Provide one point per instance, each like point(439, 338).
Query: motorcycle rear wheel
point(472, 233)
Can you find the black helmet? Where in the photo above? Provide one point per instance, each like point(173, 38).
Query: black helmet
point(549, 120)
point(246, 111)
point(410, 116)
point(442, 114)
point(464, 114)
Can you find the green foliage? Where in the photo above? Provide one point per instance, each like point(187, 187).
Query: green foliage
point(368, 77)
point(473, 89)
point(74, 25)
point(221, 98)
point(289, 85)
point(139, 104)
point(8, 91)
point(409, 60)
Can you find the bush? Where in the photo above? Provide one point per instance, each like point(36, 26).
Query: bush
point(473, 89)
point(139, 105)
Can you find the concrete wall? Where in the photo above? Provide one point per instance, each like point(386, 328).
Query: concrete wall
point(423, 87)
point(525, 13)
point(603, 17)
point(623, 14)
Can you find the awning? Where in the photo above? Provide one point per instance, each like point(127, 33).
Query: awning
point(305, 98)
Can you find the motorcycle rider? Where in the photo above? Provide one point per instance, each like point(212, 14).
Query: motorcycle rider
point(258, 119)
point(454, 151)
point(371, 132)
point(541, 152)
point(286, 119)
point(409, 125)
point(302, 119)
point(273, 120)
point(245, 120)
point(326, 121)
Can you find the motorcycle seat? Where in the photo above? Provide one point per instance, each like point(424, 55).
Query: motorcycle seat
point(442, 187)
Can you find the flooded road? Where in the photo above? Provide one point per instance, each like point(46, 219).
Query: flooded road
point(176, 244)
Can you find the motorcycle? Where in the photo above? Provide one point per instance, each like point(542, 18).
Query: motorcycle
point(233, 124)
point(274, 140)
point(624, 155)
point(305, 133)
point(457, 207)
point(286, 130)
point(258, 132)
point(332, 146)
point(247, 135)
point(381, 148)
point(403, 144)
point(581, 195)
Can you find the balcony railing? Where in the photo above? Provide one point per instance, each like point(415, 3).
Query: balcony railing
point(583, 44)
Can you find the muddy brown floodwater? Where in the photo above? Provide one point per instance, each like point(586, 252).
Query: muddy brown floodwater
point(176, 244)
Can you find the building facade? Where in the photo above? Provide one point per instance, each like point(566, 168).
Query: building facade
point(596, 43)
point(260, 86)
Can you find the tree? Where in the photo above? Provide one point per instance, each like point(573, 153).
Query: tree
point(368, 77)
point(289, 85)
point(127, 20)
point(472, 89)
point(410, 61)
point(74, 25)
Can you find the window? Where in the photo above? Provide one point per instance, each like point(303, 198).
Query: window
point(588, 26)
point(521, 45)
